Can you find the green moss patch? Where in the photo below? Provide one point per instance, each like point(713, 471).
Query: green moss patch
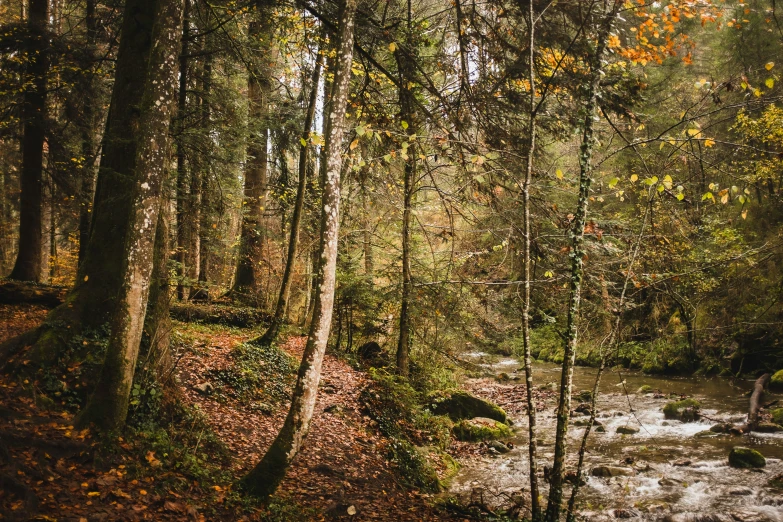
point(256, 373)
point(776, 381)
point(461, 405)
point(740, 457)
point(686, 410)
point(480, 428)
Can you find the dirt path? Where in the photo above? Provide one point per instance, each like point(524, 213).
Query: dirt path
point(48, 466)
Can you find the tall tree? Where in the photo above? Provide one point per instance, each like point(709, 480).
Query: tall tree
point(28, 264)
point(267, 475)
point(296, 218)
point(108, 406)
point(604, 21)
point(259, 84)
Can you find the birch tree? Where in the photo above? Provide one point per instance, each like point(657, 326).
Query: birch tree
point(267, 475)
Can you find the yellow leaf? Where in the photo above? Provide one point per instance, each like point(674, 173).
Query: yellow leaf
point(693, 132)
point(709, 143)
point(93, 494)
point(303, 142)
point(86, 278)
point(634, 178)
point(667, 182)
point(354, 144)
point(559, 174)
point(769, 82)
point(769, 66)
point(724, 199)
point(392, 47)
point(744, 214)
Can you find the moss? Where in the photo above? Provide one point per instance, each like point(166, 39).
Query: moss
point(256, 372)
point(413, 466)
point(645, 388)
point(686, 410)
point(740, 457)
point(462, 405)
point(478, 429)
point(776, 381)
point(777, 415)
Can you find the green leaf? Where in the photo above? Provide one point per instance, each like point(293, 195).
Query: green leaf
point(613, 182)
point(360, 130)
point(680, 196)
point(769, 82)
point(303, 142)
point(404, 124)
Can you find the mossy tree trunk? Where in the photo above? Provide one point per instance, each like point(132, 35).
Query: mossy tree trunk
point(183, 217)
point(576, 233)
point(404, 57)
point(267, 475)
point(29, 259)
point(296, 218)
point(535, 501)
point(108, 406)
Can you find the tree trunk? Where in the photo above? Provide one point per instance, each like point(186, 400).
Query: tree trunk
point(267, 475)
point(91, 302)
point(108, 406)
point(535, 502)
point(252, 235)
point(577, 264)
point(183, 218)
point(406, 96)
point(28, 259)
point(88, 135)
point(285, 286)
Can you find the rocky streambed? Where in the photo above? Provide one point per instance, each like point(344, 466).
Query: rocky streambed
point(641, 465)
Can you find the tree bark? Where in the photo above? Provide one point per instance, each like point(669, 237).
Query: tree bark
point(108, 406)
point(403, 57)
point(88, 135)
point(577, 263)
point(535, 501)
point(759, 387)
point(252, 235)
point(285, 285)
point(267, 475)
point(183, 218)
point(28, 264)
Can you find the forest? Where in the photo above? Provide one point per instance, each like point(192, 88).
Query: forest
point(293, 260)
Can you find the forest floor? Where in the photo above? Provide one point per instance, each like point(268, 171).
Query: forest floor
point(54, 471)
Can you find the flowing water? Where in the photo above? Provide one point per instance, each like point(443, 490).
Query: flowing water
point(659, 487)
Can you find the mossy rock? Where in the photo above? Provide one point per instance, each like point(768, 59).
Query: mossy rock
point(740, 457)
point(584, 396)
point(776, 382)
point(627, 430)
point(645, 388)
point(480, 428)
point(777, 415)
point(462, 405)
point(768, 427)
point(685, 410)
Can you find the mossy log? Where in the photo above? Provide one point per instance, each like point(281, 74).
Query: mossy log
point(16, 292)
point(242, 317)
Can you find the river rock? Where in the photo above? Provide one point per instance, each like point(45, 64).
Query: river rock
point(627, 430)
point(667, 482)
point(768, 427)
point(685, 410)
point(585, 422)
point(777, 415)
point(498, 446)
point(723, 427)
point(611, 471)
point(625, 513)
point(645, 388)
point(682, 462)
point(462, 405)
point(776, 481)
point(584, 396)
point(741, 492)
point(740, 457)
point(600, 429)
point(480, 428)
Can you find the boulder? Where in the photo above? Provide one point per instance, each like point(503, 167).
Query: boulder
point(498, 446)
point(777, 415)
point(627, 430)
point(682, 462)
point(584, 396)
point(462, 405)
point(685, 410)
point(776, 381)
point(740, 457)
point(479, 429)
point(723, 427)
point(611, 471)
point(584, 422)
point(645, 388)
point(768, 427)
point(370, 351)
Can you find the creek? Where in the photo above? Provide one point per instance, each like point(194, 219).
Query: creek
point(675, 475)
